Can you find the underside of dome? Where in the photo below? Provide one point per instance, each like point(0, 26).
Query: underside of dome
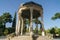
point(25, 12)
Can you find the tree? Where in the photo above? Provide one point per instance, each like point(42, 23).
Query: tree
point(26, 29)
point(1, 26)
point(1, 22)
point(6, 31)
point(36, 21)
point(59, 31)
point(52, 31)
point(14, 22)
point(6, 17)
point(56, 16)
point(10, 29)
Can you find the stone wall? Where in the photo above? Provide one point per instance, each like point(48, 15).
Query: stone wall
point(44, 38)
point(30, 38)
point(21, 38)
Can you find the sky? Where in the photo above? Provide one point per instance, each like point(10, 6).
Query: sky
point(50, 7)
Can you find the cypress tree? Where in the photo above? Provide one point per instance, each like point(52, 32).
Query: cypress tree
point(14, 22)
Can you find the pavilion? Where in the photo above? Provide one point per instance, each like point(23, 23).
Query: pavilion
point(29, 11)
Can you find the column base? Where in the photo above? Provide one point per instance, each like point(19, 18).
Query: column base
point(43, 33)
point(31, 33)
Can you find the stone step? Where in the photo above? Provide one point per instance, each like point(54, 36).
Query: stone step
point(30, 38)
point(43, 38)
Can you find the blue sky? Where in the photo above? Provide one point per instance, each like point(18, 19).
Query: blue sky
point(50, 7)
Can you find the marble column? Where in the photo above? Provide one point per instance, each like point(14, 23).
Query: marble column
point(31, 20)
point(18, 25)
point(22, 27)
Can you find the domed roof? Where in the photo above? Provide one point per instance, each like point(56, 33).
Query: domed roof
point(31, 2)
point(25, 9)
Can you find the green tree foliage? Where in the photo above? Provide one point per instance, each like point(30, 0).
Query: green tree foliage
point(14, 22)
point(47, 31)
point(27, 25)
point(1, 26)
point(36, 21)
point(10, 29)
point(1, 22)
point(36, 30)
point(6, 31)
point(6, 17)
point(52, 30)
point(39, 32)
point(25, 29)
point(56, 16)
point(59, 31)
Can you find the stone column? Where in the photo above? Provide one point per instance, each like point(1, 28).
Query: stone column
point(43, 34)
point(31, 20)
point(18, 25)
point(22, 27)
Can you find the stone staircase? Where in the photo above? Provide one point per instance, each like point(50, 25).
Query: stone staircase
point(44, 38)
point(30, 38)
point(20, 38)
